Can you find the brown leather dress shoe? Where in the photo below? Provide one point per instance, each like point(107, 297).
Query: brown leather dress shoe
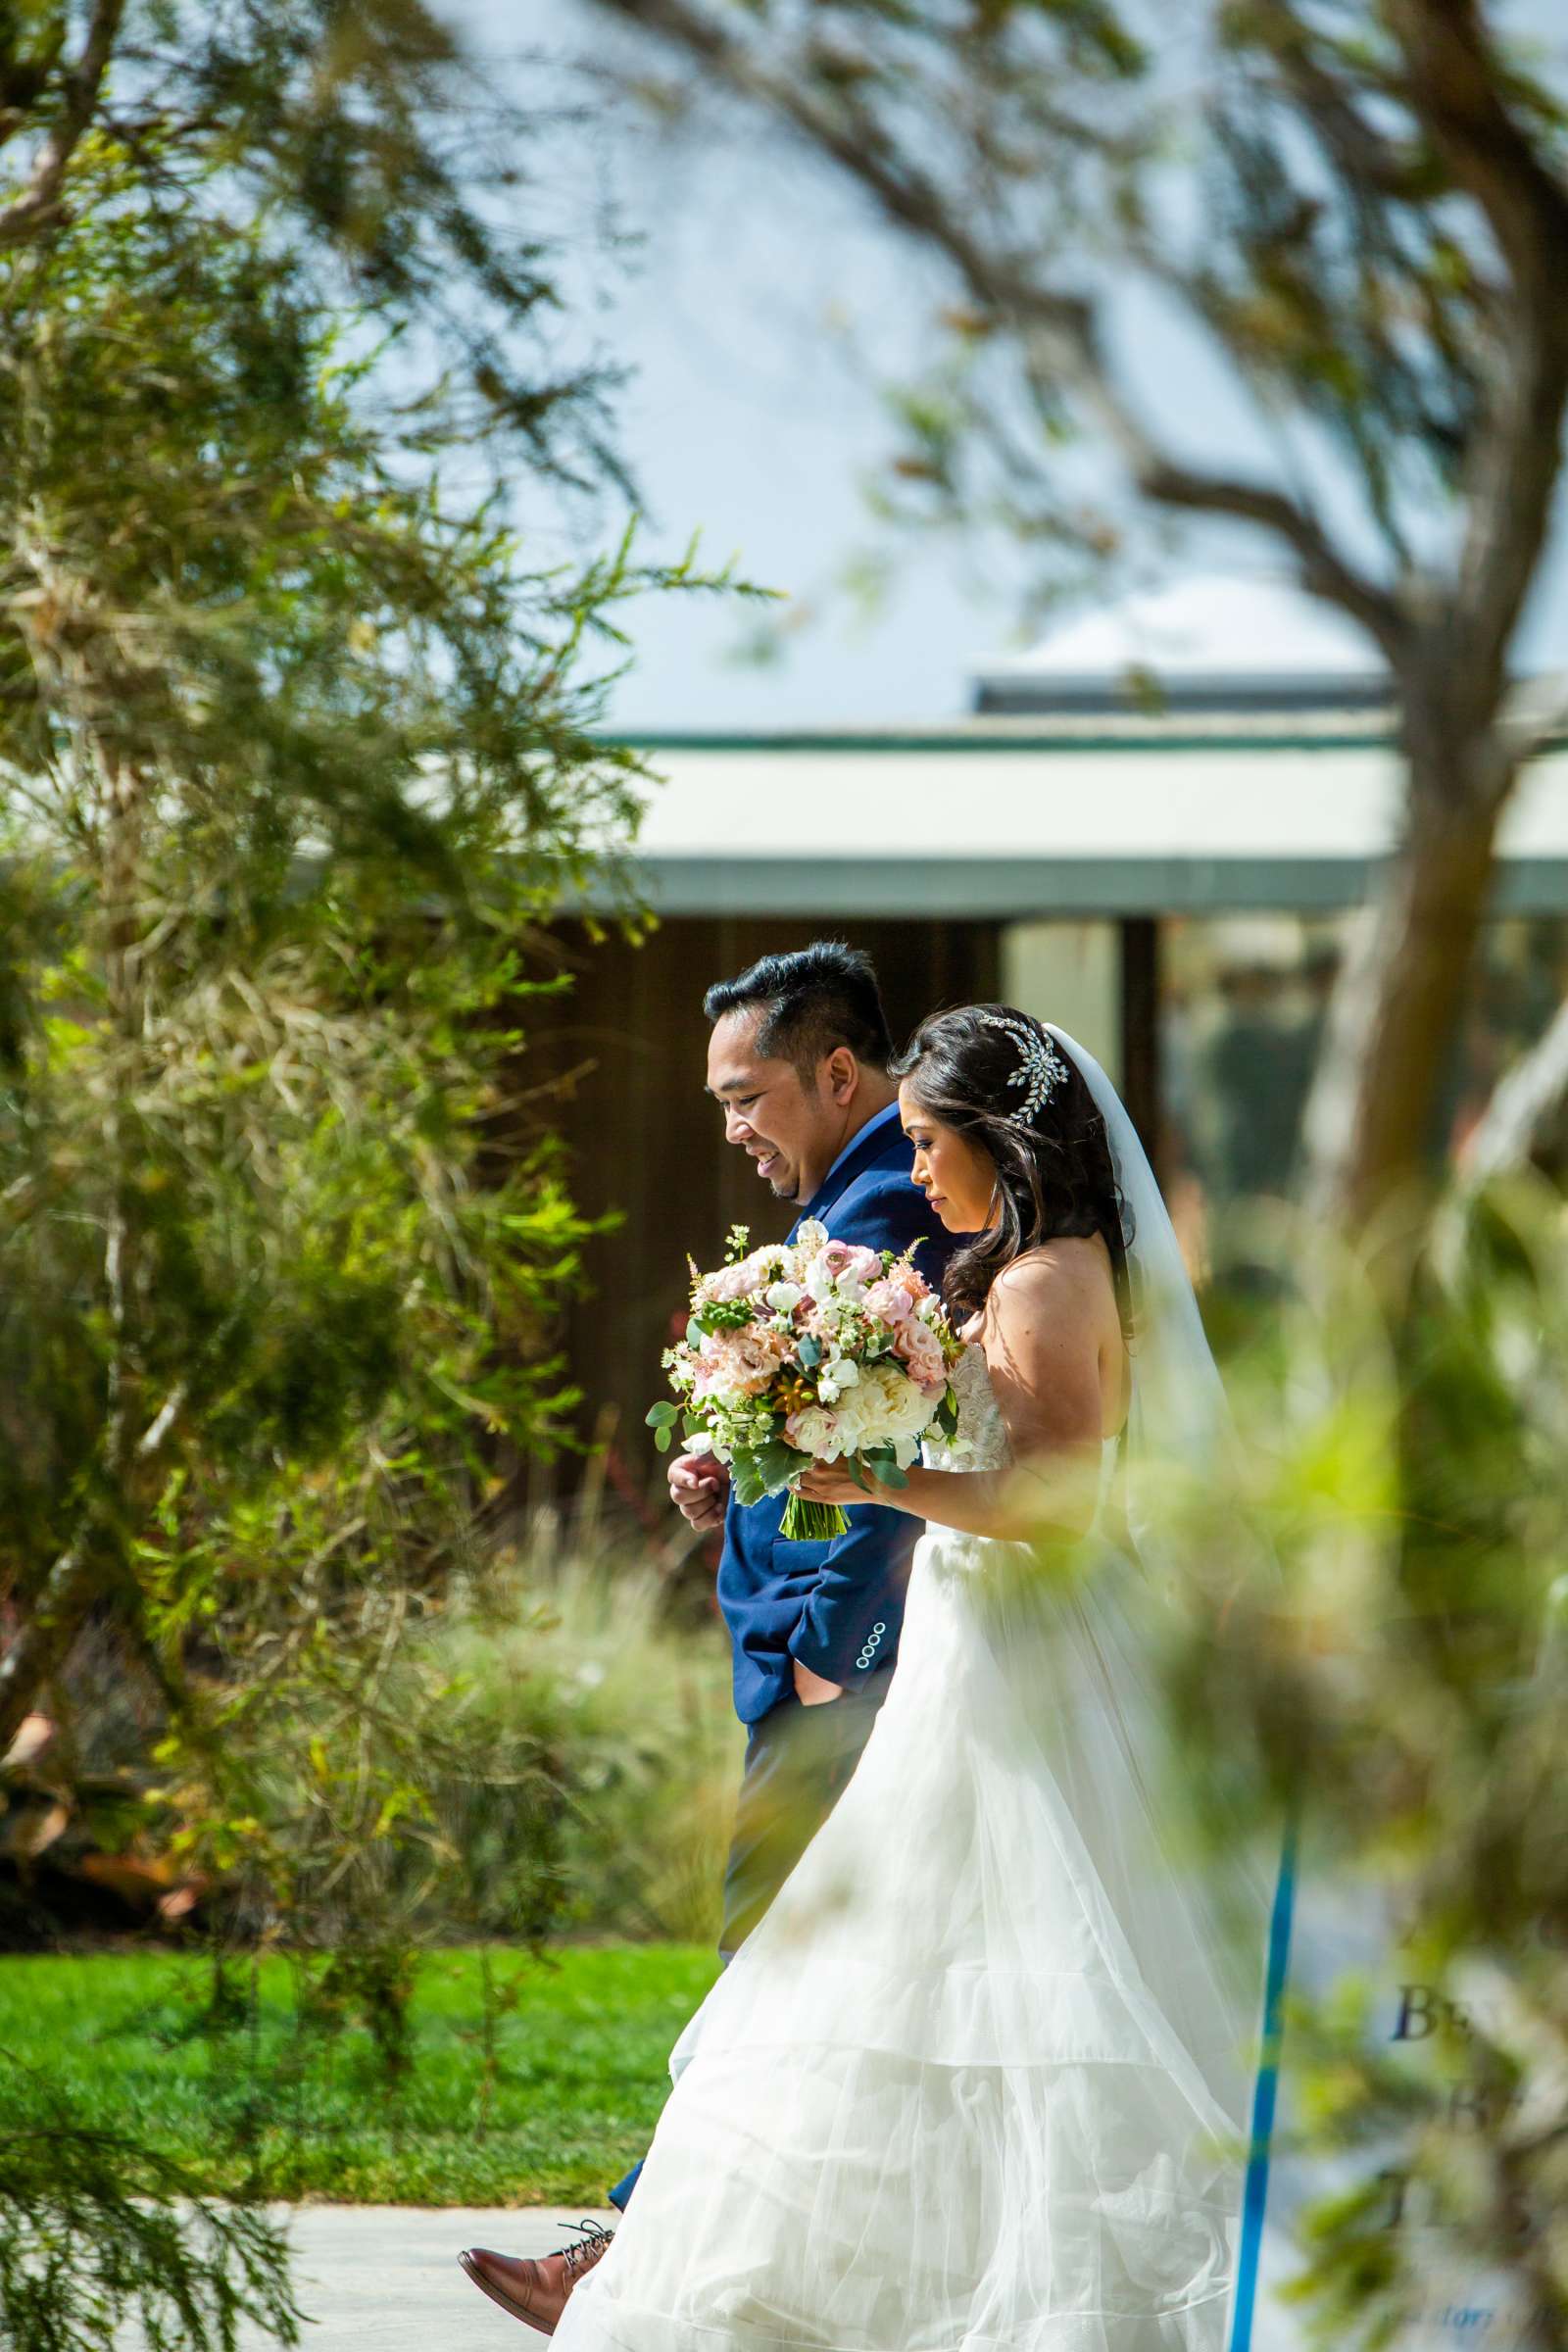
point(536, 2290)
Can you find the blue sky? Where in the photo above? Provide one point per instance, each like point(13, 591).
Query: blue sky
point(756, 317)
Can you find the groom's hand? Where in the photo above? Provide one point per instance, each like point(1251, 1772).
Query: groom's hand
point(812, 1689)
point(698, 1487)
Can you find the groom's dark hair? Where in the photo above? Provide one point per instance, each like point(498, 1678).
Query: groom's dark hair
point(811, 1001)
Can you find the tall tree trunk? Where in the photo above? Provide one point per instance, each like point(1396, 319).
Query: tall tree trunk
point(1396, 1014)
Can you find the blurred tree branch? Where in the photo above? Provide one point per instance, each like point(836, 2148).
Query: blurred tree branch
point(95, 2225)
point(1363, 213)
point(84, 84)
point(374, 134)
point(1525, 1112)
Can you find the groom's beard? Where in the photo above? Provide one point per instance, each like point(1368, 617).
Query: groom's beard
point(785, 1185)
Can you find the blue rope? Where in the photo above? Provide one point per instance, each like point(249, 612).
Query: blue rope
point(1265, 2094)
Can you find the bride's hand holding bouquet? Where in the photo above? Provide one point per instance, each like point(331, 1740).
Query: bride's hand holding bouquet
point(806, 1354)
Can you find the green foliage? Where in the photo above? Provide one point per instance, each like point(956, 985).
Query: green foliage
point(93, 2233)
point(325, 1775)
point(574, 1647)
point(545, 1742)
point(529, 2082)
point(759, 1470)
point(294, 763)
point(296, 758)
point(383, 154)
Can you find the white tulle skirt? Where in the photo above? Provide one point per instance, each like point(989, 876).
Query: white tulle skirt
point(976, 2081)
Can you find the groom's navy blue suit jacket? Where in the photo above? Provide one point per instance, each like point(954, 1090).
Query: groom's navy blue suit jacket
point(836, 1606)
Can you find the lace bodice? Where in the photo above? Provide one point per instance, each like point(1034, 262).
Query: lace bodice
point(980, 1442)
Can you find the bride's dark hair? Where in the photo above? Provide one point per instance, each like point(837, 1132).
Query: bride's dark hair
point(1055, 1172)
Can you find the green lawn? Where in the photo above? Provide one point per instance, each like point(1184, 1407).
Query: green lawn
point(578, 2075)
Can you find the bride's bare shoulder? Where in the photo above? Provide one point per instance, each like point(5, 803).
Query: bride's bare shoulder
point(1069, 1264)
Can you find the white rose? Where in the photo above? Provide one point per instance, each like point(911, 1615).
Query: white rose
point(893, 1407)
point(818, 1432)
point(852, 1418)
point(782, 1297)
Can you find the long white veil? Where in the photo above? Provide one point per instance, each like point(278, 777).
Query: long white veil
point(1176, 1415)
point(1179, 1426)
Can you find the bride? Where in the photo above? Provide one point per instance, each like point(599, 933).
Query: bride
point(975, 2083)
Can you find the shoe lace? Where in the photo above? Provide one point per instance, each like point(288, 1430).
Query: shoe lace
point(587, 2249)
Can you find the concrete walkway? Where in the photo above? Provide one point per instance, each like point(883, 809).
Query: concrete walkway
point(387, 2276)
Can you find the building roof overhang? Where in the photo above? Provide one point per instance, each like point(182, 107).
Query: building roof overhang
point(1008, 818)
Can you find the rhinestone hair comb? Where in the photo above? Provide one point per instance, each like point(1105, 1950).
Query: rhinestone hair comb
point(1040, 1067)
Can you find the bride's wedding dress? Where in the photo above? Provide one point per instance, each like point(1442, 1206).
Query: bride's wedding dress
point(976, 2081)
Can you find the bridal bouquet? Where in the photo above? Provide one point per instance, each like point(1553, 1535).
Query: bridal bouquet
point(811, 1351)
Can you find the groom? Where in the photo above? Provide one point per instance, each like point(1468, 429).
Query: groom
point(798, 1063)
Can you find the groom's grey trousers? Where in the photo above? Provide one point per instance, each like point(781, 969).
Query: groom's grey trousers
point(798, 1761)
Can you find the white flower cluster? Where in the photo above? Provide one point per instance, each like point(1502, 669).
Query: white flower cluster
point(860, 1412)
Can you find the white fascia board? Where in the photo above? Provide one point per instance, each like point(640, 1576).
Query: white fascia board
point(949, 832)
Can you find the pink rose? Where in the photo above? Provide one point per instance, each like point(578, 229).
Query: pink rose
point(897, 1295)
point(740, 1363)
point(739, 1281)
point(841, 1259)
point(919, 1346)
